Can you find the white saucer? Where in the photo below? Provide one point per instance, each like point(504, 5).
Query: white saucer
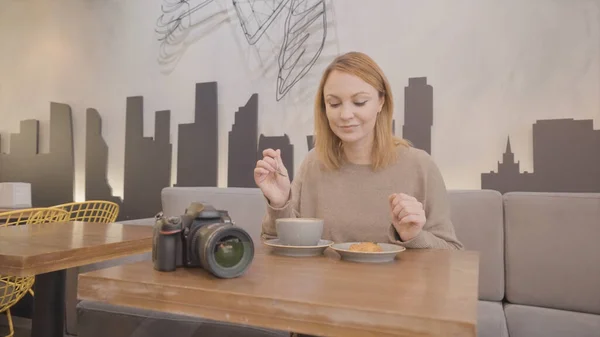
point(298, 251)
point(387, 255)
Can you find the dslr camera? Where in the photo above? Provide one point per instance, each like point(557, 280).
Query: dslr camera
point(202, 237)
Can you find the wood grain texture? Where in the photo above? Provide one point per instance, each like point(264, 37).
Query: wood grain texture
point(35, 249)
point(422, 293)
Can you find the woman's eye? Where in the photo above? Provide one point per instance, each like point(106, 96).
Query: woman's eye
point(334, 105)
point(360, 103)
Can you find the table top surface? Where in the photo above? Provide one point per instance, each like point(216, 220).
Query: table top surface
point(41, 248)
point(427, 292)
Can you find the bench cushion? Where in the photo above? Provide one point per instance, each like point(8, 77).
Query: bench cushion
point(477, 216)
point(490, 320)
point(529, 321)
point(552, 250)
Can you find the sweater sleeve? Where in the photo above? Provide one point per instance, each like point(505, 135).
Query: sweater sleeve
point(438, 231)
point(291, 209)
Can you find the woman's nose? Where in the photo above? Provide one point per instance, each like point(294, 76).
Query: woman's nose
point(346, 112)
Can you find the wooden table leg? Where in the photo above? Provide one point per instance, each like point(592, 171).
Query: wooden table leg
point(49, 308)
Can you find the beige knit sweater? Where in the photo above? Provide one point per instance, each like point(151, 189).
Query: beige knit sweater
point(353, 201)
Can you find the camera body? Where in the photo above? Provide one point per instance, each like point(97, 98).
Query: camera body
point(203, 237)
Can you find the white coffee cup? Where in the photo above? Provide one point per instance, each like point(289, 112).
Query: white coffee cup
point(299, 231)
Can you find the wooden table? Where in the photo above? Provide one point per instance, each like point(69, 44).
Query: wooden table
point(46, 250)
point(422, 293)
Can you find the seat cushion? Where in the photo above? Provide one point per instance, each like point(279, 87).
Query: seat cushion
point(246, 206)
point(528, 321)
point(97, 319)
point(478, 219)
point(490, 320)
point(552, 250)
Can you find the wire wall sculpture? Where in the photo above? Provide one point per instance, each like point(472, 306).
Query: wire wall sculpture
point(301, 39)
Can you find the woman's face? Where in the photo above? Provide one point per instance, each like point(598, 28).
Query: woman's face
point(352, 106)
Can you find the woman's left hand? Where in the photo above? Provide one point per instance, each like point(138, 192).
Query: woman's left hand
point(408, 216)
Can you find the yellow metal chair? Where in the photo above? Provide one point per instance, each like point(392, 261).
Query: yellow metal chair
point(13, 288)
point(91, 211)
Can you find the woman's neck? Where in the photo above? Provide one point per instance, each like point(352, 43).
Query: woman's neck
point(359, 152)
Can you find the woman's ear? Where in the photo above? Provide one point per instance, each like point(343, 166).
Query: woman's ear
point(381, 102)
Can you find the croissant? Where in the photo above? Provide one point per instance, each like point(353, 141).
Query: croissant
point(369, 247)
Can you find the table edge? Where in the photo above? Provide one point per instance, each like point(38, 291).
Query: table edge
point(21, 268)
point(90, 283)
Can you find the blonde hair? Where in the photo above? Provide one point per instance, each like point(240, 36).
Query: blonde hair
point(329, 146)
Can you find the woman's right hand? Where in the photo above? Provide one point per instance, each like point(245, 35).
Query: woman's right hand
point(271, 176)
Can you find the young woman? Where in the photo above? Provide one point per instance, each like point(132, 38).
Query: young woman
point(365, 183)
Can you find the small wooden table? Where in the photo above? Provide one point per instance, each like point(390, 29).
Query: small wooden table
point(424, 292)
point(46, 250)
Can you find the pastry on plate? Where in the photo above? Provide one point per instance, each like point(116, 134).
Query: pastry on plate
point(366, 247)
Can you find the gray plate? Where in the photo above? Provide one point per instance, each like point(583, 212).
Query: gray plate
point(387, 255)
point(298, 251)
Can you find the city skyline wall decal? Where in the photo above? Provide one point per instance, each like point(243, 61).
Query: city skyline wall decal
point(147, 166)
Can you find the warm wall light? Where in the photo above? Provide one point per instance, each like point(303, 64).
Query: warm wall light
point(79, 188)
point(79, 193)
point(115, 232)
point(77, 236)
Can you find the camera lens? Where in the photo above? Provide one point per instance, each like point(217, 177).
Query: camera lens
point(225, 250)
point(229, 251)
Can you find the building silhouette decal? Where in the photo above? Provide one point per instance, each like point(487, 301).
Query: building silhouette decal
point(418, 113)
point(198, 142)
point(310, 141)
point(565, 159)
point(282, 143)
point(96, 161)
point(51, 174)
point(147, 162)
point(508, 177)
point(243, 142)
